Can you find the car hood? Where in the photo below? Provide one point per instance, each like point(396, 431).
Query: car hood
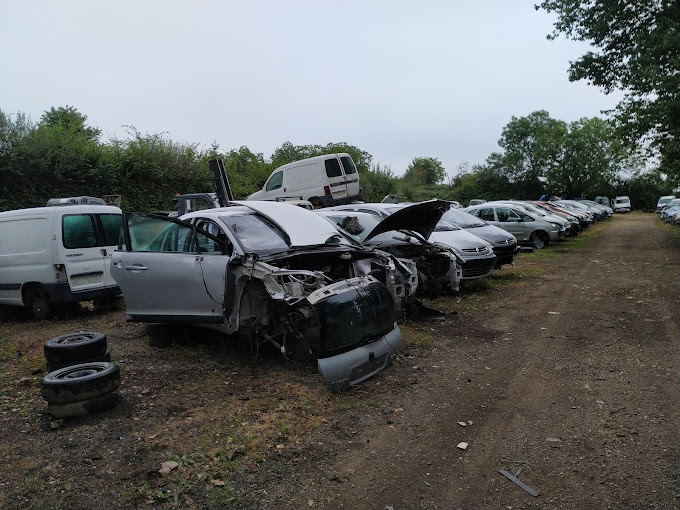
point(304, 228)
point(461, 239)
point(495, 235)
point(421, 218)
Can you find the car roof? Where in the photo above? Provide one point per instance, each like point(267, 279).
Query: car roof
point(303, 227)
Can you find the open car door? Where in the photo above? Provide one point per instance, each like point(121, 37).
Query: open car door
point(170, 271)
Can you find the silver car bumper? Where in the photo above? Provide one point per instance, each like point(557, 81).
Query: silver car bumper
point(351, 368)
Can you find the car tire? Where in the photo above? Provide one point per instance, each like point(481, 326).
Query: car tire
point(56, 365)
point(40, 306)
point(78, 383)
point(539, 239)
point(84, 407)
point(80, 346)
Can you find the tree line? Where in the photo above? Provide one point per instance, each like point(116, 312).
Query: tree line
point(61, 155)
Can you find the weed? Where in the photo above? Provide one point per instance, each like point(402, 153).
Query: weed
point(223, 496)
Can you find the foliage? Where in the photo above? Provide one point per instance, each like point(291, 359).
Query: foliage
point(424, 171)
point(637, 50)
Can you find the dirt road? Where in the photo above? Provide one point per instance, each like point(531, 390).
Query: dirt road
point(570, 372)
point(573, 376)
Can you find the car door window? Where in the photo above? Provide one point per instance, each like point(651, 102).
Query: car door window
point(348, 165)
point(158, 234)
point(524, 217)
point(211, 245)
point(275, 181)
point(486, 214)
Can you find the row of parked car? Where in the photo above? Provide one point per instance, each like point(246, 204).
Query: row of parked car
point(669, 209)
point(327, 284)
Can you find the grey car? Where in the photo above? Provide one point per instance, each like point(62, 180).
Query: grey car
point(527, 228)
point(272, 274)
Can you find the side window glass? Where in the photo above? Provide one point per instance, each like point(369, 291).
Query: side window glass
point(486, 214)
point(208, 245)
point(504, 215)
point(78, 231)
point(149, 233)
point(525, 217)
point(333, 168)
point(275, 181)
point(111, 224)
point(348, 165)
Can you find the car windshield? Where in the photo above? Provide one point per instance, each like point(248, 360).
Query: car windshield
point(256, 234)
point(359, 225)
point(462, 219)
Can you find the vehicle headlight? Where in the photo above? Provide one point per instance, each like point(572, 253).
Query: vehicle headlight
point(555, 224)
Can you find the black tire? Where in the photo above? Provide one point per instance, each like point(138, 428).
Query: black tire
point(75, 346)
point(40, 306)
point(540, 239)
point(56, 365)
point(80, 382)
point(316, 203)
point(84, 407)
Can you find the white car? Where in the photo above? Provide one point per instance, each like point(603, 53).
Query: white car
point(621, 204)
point(272, 272)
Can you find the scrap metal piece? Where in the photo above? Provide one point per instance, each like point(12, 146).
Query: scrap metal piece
point(517, 481)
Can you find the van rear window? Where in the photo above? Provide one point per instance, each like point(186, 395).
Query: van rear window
point(333, 168)
point(111, 224)
point(79, 231)
point(348, 165)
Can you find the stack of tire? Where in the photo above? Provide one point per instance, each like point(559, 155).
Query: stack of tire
point(81, 380)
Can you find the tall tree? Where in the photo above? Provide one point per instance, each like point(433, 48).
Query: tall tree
point(637, 50)
point(533, 146)
point(425, 171)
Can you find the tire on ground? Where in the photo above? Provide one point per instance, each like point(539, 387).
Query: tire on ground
point(56, 365)
point(81, 382)
point(84, 407)
point(80, 346)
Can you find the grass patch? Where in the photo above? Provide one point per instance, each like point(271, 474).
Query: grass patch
point(414, 335)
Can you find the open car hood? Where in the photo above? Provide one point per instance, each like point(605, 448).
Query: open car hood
point(421, 218)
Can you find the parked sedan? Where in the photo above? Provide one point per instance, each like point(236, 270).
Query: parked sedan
point(504, 244)
point(475, 255)
point(272, 272)
point(527, 228)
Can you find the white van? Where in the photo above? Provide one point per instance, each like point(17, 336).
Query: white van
point(57, 254)
point(621, 204)
point(331, 179)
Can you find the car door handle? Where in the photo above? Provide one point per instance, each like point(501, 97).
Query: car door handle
point(136, 267)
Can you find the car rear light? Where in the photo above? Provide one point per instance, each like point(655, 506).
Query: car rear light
point(327, 190)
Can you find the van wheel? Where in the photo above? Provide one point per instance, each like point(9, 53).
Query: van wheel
point(316, 202)
point(40, 305)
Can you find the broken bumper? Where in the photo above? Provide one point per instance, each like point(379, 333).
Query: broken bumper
point(351, 368)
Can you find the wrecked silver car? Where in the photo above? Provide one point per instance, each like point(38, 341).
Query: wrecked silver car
point(405, 234)
point(273, 273)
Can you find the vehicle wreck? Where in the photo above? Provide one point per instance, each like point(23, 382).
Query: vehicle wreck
point(268, 273)
point(404, 234)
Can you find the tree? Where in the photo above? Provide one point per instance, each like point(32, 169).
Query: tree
point(69, 119)
point(593, 156)
point(637, 50)
point(424, 172)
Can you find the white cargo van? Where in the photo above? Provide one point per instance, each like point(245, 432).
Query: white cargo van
point(57, 254)
point(621, 204)
point(331, 179)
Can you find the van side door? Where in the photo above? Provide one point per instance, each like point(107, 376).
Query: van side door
point(351, 176)
point(78, 248)
point(109, 226)
point(336, 178)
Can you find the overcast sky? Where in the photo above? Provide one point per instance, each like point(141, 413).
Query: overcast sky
point(397, 79)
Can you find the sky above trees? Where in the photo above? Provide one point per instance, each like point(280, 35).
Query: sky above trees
point(399, 79)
